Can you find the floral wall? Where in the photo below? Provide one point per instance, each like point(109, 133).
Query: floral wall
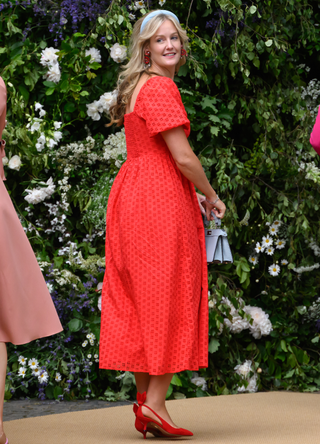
point(250, 88)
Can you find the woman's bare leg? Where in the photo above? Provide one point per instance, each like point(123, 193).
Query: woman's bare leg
point(3, 371)
point(142, 381)
point(156, 397)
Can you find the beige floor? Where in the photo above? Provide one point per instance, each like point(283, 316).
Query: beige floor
point(260, 418)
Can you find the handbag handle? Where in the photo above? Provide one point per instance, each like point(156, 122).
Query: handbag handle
point(217, 221)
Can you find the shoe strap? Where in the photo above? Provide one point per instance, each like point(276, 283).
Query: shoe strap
point(162, 421)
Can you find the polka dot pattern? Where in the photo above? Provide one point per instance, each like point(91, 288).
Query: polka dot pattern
point(155, 297)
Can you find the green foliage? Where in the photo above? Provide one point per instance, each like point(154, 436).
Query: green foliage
point(242, 88)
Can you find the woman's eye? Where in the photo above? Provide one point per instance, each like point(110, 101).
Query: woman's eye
point(175, 38)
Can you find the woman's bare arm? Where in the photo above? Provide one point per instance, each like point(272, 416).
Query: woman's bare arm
point(190, 166)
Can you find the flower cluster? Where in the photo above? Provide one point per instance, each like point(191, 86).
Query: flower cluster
point(90, 338)
point(199, 381)
point(311, 94)
point(96, 108)
point(115, 148)
point(37, 124)
point(49, 58)
point(34, 368)
point(39, 194)
point(260, 326)
point(244, 371)
point(14, 163)
point(314, 247)
point(268, 246)
point(95, 55)
point(312, 172)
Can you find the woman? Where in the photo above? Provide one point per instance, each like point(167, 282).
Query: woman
point(315, 135)
point(26, 308)
point(155, 296)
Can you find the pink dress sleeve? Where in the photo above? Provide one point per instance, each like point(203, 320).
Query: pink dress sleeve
point(315, 135)
point(160, 105)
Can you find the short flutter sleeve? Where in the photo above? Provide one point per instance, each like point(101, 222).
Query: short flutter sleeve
point(159, 104)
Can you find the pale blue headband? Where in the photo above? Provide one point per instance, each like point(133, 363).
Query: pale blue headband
point(153, 14)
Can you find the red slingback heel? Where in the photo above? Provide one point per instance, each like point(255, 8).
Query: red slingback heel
point(139, 426)
point(158, 429)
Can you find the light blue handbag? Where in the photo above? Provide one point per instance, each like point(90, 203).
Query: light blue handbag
point(217, 245)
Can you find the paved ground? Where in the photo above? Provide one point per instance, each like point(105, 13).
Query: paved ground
point(28, 408)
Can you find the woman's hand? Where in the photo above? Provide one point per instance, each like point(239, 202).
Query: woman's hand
point(218, 208)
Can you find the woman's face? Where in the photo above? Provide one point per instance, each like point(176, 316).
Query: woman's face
point(165, 48)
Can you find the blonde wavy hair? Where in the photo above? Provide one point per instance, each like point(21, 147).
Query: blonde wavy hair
point(130, 76)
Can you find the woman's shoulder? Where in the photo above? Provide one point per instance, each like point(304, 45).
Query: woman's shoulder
point(160, 83)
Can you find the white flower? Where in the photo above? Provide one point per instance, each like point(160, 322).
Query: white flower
point(162, 2)
point(252, 9)
point(57, 135)
point(22, 372)
point(94, 109)
point(58, 377)
point(85, 343)
point(268, 224)
point(264, 292)
point(273, 230)
point(96, 356)
point(39, 147)
point(132, 16)
point(244, 369)
point(107, 99)
point(94, 54)
point(54, 73)
point(277, 223)
point(139, 5)
point(261, 324)
point(50, 287)
point(43, 378)
point(253, 260)
point(5, 161)
point(269, 42)
point(22, 360)
point(251, 387)
point(305, 269)
point(57, 125)
point(267, 241)
point(38, 106)
point(274, 270)
point(199, 381)
point(280, 244)
point(51, 143)
point(259, 248)
point(237, 325)
point(15, 163)
point(270, 251)
point(42, 113)
point(119, 52)
point(35, 196)
point(35, 125)
point(284, 262)
point(42, 139)
point(49, 57)
point(99, 302)
point(36, 371)
point(33, 363)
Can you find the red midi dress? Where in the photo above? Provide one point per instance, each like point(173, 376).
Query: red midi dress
point(154, 315)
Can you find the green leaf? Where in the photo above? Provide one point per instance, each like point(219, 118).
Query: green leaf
point(214, 130)
point(75, 325)
point(120, 19)
point(292, 360)
point(214, 345)
point(169, 392)
point(69, 107)
point(176, 380)
point(57, 391)
point(283, 345)
point(24, 92)
point(50, 91)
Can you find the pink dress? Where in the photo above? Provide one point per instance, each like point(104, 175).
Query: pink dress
point(315, 135)
point(26, 308)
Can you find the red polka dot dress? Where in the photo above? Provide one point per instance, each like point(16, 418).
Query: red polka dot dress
point(154, 315)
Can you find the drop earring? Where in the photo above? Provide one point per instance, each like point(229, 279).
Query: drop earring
point(147, 59)
point(183, 52)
